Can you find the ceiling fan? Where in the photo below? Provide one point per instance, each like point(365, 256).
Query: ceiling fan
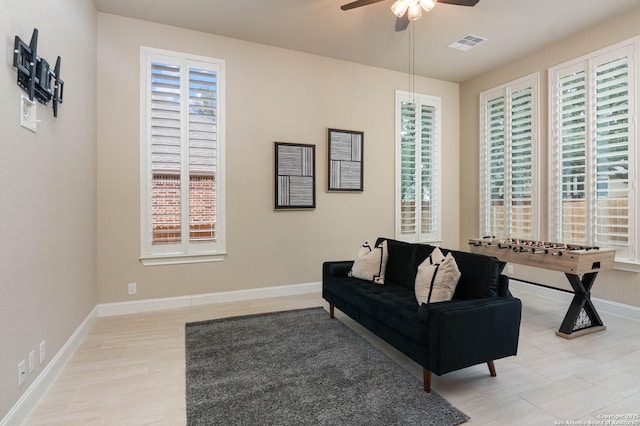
point(408, 10)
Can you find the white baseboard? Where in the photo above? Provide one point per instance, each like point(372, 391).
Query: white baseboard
point(37, 389)
point(602, 305)
point(148, 305)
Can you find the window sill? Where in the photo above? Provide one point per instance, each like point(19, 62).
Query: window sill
point(627, 266)
point(176, 259)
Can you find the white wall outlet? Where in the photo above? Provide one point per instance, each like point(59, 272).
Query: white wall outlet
point(28, 114)
point(22, 372)
point(509, 269)
point(32, 361)
point(133, 288)
point(43, 351)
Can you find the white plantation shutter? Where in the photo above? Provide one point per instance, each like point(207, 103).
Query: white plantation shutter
point(572, 154)
point(165, 118)
point(418, 193)
point(521, 164)
point(202, 154)
point(166, 136)
point(408, 165)
point(428, 168)
point(182, 210)
point(593, 138)
point(612, 154)
point(494, 163)
point(202, 121)
point(508, 141)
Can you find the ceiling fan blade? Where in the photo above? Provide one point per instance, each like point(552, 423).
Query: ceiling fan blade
point(402, 23)
point(460, 2)
point(358, 3)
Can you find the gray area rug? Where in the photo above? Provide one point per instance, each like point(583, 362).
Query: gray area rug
point(300, 368)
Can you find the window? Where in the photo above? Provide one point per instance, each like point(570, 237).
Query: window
point(418, 163)
point(592, 121)
point(508, 146)
point(182, 158)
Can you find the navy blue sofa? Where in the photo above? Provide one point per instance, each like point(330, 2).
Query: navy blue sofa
point(479, 325)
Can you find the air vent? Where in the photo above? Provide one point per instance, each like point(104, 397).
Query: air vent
point(467, 42)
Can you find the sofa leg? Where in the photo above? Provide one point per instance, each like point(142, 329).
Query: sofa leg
point(331, 310)
point(427, 380)
point(492, 368)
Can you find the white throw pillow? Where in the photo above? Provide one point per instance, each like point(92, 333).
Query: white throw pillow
point(436, 282)
point(371, 262)
point(422, 290)
point(436, 256)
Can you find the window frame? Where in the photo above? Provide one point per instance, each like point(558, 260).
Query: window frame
point(588, 63)
point(505, 91)
point(185, 251)
point(435, 236)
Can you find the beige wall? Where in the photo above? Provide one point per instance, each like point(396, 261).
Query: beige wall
point(616, 285)
point(272, 95)
point(48, 193)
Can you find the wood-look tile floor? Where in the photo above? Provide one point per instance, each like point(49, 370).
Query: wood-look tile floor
point(130, 370)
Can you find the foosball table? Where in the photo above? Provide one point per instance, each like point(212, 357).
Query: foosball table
point(580, 265)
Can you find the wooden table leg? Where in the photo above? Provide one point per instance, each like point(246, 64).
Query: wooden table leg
point(575, 323)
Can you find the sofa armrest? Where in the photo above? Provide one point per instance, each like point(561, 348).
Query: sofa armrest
point(469, 332)
point(336, 269)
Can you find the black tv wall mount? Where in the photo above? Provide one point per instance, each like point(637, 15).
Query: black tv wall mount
point(35, 76)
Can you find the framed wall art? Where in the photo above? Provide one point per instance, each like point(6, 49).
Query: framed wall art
point(345, 150)
point(295, 173)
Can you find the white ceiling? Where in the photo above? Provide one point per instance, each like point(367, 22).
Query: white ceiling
point(367, 35)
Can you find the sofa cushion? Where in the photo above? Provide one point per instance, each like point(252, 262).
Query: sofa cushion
point(479, 275)
point(370, 263)
point(393, 304)
point(436, 281)
point(402, 265)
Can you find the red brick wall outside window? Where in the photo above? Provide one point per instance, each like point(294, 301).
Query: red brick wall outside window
point(165, 218)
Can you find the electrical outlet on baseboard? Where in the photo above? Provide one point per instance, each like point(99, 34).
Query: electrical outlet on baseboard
point(32, 361)
point(509, 269)
point(133, 288)
point(43, 351)
point(22, 372)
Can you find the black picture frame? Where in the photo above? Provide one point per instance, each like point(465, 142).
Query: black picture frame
point(295, 176)
point(345, 150)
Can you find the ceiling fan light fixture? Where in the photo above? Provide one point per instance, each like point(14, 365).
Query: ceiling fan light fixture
point(427, 5)
point(414, 12)
point(399, 8)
